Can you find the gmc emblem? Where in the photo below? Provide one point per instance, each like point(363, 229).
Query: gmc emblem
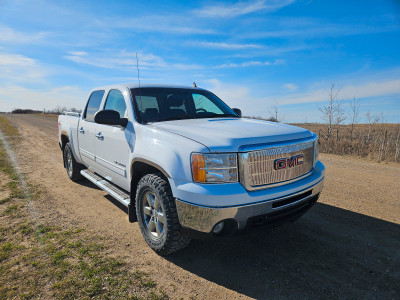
point(283, 163)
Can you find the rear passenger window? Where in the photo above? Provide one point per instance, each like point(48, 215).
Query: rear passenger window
point(115, 101)
point(93, 105)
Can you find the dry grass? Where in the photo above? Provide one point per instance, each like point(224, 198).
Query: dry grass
point(42, 261)
point(380, 142)
point(6, 127)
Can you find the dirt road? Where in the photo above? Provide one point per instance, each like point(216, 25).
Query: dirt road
point(347, 246)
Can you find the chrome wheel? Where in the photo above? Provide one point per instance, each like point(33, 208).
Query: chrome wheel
point(69, 163)
point(153, 214)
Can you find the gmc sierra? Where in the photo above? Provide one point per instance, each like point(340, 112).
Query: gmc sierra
point(186, 165)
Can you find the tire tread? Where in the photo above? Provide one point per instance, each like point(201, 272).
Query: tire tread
point(174, 240)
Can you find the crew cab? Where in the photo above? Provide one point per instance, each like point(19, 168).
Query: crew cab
point(187, 165)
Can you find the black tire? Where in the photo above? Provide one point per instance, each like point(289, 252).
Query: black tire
point(170, 239)
point(71, 165)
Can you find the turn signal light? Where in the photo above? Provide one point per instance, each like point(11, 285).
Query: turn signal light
point(198, 168)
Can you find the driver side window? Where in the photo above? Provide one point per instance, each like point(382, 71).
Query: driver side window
point(115, 101)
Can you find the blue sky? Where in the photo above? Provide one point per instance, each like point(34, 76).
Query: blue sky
point(253, 54)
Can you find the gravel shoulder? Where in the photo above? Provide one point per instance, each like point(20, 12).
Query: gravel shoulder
point(346, 246)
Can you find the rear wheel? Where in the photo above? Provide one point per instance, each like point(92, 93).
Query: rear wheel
point(157, 215)
point(71, 165)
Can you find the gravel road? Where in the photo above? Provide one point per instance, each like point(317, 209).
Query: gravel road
point(347, 246)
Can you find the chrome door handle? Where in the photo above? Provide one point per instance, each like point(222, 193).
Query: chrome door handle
point(81, 130)
point(99, 136)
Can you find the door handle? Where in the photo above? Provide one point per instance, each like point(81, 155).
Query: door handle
point(81, 130)
point(99, 136)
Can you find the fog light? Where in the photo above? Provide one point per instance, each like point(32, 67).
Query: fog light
point(218, 228)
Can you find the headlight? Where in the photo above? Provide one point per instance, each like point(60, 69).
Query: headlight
point(214, 167)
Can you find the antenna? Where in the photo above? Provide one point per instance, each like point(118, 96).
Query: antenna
point(194, 84)
point(138, 77)
point(137, 66)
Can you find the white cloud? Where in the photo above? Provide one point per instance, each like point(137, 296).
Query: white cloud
point(19, 68)
point(252, 63)
point(21, 97)
point(233, 95)
point(126, 61)
point(242, 96)
point(164, 24)
point(290, 86)
point(318, 29)
point(121, 60)
point(227, 46)
point(78, 53)
point(362, 90)
point(9, 35)
point(240, 8)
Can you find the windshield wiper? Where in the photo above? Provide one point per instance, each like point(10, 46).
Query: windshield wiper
point(222, 116)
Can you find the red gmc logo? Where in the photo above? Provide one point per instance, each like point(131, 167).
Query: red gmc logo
point(283, 163)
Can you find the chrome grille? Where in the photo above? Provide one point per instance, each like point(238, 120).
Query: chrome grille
point(259, 165)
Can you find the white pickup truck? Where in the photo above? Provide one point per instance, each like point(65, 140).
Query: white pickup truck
point(187, 165)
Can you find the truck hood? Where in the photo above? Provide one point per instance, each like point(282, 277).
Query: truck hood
point(233, 134)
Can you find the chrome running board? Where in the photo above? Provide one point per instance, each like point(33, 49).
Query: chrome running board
point(107, 186)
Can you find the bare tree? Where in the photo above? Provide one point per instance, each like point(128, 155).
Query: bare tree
point(333, 113)
point(371, 120)
point(354, 109)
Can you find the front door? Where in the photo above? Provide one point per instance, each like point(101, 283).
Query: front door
point(112, 144)
point(86, 129)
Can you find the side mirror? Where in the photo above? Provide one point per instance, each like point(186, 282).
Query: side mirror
point(110, 117)
point(237, 111)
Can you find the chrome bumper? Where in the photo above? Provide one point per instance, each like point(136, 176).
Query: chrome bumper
point(203, 218)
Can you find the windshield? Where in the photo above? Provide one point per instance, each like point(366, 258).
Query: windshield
point(166, 104)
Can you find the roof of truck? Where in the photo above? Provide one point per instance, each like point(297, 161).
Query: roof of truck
point(146, 85)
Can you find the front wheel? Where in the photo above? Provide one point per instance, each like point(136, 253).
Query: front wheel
point(157, 215)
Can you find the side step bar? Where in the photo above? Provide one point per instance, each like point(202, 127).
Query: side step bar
point(107, 186)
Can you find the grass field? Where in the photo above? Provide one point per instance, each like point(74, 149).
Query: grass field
point(39, 260)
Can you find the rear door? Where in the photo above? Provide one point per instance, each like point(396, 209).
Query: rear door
point(113, 144)
point(86, 129)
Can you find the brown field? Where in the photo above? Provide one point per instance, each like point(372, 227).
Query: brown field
point(379, 142)
point(347, 246)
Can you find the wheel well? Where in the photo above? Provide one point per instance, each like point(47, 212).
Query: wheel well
point(140, 169)
point(64, 141)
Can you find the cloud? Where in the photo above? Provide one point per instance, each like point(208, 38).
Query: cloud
point(250, 64)
point(226, 46)
point(240, 8)
point(78, 53)
point(241, 96)
point(163, 24)
point(125, 60)
point(290, 86)
point(19, 68)
point(16, 96)
point(121, 60)
point(363, 90)
point(9, 35)
point(232, 94)
point(318, 29)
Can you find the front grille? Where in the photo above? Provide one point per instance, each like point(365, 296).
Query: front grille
point(261, 163)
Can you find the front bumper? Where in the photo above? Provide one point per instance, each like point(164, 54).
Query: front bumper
point(204, 218)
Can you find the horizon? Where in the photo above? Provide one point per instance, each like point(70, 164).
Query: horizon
point(254, 55)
